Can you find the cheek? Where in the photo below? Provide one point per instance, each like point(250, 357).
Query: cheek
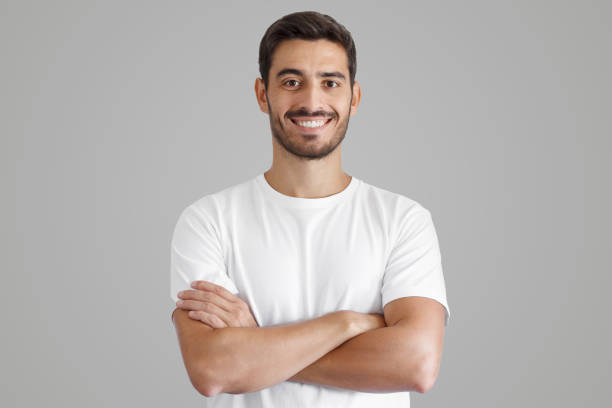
point(278, 107)
point(343, 104)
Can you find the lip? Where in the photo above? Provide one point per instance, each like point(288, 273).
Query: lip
point(307, 129)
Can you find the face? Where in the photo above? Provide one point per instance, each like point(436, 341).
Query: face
point(309, 98)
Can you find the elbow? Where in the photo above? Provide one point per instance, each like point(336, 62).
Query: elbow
point(206, 384)
point(425, 376)
point(204, 377)
point(213, 376)
point(211, 387)
point(424, 384)
point(210, 381)
point(209, 390)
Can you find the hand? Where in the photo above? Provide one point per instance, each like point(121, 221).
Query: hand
point(215, 306)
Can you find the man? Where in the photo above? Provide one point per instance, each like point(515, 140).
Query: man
point(306, 286)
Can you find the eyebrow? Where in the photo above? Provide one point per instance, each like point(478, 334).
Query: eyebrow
point(320, 74)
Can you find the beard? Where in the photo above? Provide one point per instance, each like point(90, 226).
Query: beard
point(307, 147)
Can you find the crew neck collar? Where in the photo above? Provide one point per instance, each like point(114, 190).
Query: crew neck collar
point(305, 203)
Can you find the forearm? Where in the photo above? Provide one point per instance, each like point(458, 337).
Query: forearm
point(247, 359)
point(376, 361)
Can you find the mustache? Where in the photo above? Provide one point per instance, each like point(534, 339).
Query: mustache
point(303, 112)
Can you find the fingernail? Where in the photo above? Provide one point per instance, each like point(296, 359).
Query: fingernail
point(181, 293)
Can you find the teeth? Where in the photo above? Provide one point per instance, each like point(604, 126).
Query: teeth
point(312, 123)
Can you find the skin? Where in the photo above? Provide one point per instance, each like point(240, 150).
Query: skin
point(214, 305)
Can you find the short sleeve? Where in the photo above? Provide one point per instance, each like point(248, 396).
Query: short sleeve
point(196, 253)
point(414, 267)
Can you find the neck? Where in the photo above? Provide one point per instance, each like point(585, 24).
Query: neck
point(309, 184)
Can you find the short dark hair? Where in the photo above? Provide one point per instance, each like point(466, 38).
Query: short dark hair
point(305, 25)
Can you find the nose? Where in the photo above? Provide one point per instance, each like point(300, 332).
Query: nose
point(312, 98)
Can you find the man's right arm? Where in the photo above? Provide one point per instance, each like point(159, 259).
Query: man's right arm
point(237, 360)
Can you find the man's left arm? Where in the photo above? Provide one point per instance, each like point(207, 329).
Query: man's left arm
point(404, 356)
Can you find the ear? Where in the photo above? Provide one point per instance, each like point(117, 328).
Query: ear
point(356, 97)
point(260, 94)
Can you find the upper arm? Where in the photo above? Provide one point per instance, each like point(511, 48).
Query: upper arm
point(197, 254)
point(196, 251)
point(193, 337)
point(423, 322)
point(414, 267)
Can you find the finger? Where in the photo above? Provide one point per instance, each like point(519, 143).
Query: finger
point(190, 305)
point(205, 296)
point(198, 305)
point(211, 287)
point(215, 310)
point(211, 320)
point(208, 308)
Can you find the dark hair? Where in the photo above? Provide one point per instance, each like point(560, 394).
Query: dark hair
point(305, 25)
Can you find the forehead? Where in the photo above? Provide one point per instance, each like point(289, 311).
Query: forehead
point(309, 56)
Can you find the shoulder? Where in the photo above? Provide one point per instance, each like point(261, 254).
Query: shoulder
point(213, 205)
point(402, 216)
point(396, 206)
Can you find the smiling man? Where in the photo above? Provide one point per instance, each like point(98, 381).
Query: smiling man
point(318, 133)
point(306, 286)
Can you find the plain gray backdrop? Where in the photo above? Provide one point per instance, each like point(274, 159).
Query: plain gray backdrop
point(118, 114)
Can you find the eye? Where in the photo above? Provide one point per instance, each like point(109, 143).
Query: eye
point(335, 84)
point(291, 80)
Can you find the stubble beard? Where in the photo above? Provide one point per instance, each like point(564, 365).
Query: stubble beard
point(299, 147)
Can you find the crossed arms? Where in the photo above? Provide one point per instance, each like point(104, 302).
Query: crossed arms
point(344, 349)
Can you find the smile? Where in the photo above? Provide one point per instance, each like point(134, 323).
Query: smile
point(310, 125)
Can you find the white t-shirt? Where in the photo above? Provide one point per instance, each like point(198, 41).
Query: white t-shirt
point(293, 259)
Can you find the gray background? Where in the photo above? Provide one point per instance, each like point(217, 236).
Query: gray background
point(118, 114)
